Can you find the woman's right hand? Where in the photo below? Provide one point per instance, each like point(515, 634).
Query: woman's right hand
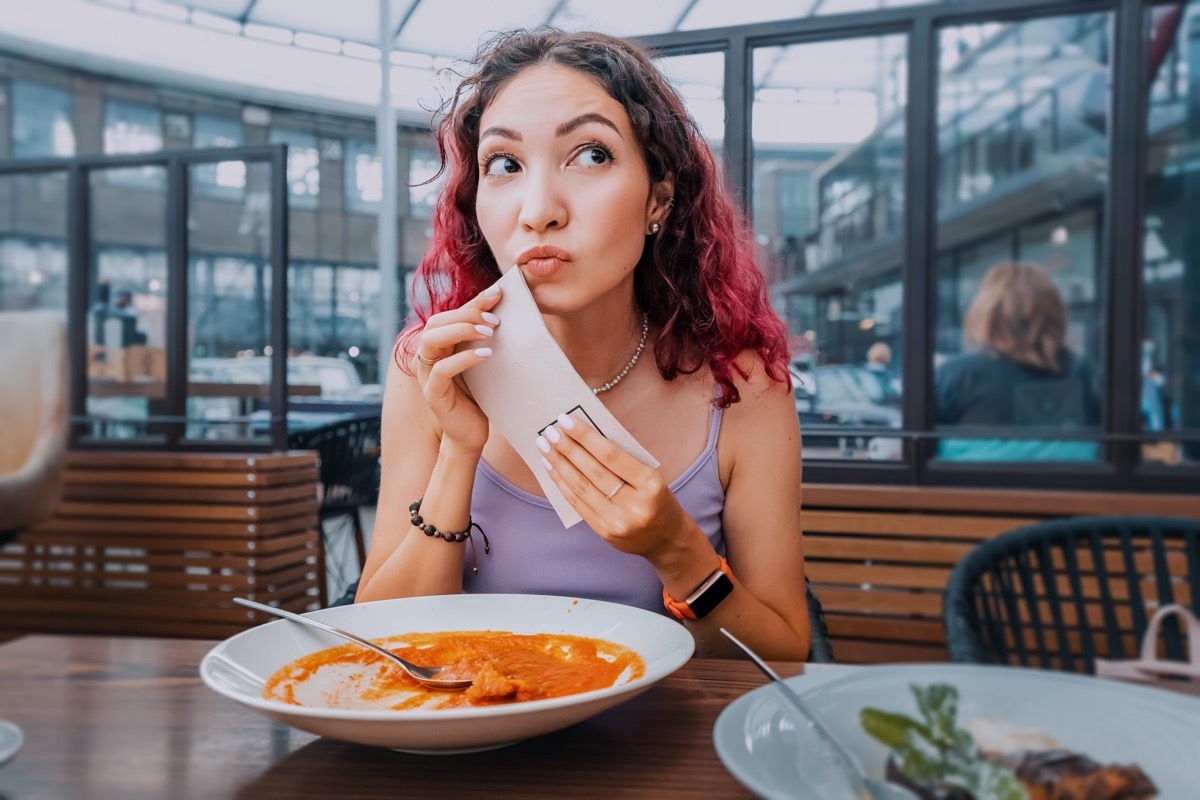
point(451, 343)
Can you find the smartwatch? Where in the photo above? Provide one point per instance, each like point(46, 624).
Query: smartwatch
point(704, 598)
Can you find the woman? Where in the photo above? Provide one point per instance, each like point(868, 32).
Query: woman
point(572, 159)
point(1023, 373)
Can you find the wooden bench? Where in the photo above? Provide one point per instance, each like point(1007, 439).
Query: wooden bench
point(158, 544)
point(878, 557)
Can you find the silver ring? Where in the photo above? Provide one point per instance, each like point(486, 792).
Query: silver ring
point(616, 489)
point(425, 361)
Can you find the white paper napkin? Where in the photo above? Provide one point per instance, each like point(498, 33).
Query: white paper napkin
point(528, 382)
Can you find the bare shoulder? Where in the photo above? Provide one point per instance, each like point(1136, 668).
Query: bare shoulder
point(762, 422)
point(759, 392)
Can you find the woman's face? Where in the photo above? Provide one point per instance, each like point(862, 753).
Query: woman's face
point(564, 193)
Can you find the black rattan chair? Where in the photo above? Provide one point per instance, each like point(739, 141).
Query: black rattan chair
point(348, 453)
point(820, 651)
point(1060, 594)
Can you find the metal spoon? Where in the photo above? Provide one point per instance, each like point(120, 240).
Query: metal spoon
point(425, 675)
point(864, 786)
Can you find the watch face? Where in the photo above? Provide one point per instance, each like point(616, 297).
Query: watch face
point(707, 597)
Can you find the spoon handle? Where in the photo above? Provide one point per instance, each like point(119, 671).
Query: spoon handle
point(279, 612)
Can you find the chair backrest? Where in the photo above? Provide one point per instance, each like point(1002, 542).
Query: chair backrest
point(349, 460)
point(34, 412)
point(820, 651)
point(1058, 595)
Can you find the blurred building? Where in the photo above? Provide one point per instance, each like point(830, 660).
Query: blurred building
point(888, 154)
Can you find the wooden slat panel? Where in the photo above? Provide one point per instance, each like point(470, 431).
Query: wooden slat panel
point(998, 501)
point(217, 529)
point(108, 492)
point(182, 511)
point(926, 526)
point(859, 548)
point(304, 474)
point(255, 462)
point(161, 544)
point(885, 602)
point(246, 544)
point(887, 629)
point(826, 572)
point(855, 651)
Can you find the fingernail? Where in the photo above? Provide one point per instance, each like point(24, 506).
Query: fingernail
point(566, 422)
point(484, 329)
point(491, 291)
point(483, 352)
point(490, 318)
point(552, 434)
point(542, 444)
point(546, 464)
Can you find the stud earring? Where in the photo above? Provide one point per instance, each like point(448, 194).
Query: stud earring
point(654, 228)
point(670, 202)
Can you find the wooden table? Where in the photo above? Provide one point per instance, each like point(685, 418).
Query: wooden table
point(110, 717)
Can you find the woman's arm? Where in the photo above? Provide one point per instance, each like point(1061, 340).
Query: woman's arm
point(416, 462)
point(432, 437)
point(760, 437)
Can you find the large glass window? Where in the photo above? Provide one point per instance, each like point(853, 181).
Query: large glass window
point(224, 179)
point(1170, 369)
point(828, 198)
point(33, 274)
point(700, 80)
point(364, 177)
point(1022, 136)
point(304, 166)
point(41, 121)
point(424, 182)
point(133, 128)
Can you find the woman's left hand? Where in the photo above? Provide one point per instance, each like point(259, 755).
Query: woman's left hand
point(627, 503)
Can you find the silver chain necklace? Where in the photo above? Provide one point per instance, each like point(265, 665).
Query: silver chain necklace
point(636, 354)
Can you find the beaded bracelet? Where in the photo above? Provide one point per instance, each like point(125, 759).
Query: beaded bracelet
point(414, 510)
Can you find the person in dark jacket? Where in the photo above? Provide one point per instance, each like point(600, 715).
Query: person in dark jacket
point(1022, 373)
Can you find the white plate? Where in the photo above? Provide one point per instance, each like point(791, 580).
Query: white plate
point(239, 666)
point(763, 743)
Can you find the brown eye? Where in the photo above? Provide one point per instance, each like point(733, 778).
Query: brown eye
point(593, 156)
point(501, 165)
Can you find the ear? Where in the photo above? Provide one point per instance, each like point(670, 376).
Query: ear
point(661, 200)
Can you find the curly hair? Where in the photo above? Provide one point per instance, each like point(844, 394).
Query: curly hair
point(699, 280)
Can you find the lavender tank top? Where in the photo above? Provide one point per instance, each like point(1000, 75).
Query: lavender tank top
point(532, 553)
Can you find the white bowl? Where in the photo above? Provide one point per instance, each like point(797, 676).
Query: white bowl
point(239, 667)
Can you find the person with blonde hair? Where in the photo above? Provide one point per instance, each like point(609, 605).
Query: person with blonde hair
point(1021, 372)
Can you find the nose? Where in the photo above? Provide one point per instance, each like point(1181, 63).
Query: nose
point(543, 205)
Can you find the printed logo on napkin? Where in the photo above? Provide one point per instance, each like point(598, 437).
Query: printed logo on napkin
point(528, 382)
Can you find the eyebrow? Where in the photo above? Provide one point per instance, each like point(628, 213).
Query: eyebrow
point(562, 130)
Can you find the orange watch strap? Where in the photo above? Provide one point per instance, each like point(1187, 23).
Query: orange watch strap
point(679, 609)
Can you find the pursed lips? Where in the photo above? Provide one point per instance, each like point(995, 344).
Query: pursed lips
point(543, 260)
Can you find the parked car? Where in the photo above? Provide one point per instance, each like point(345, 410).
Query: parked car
point(844, 395)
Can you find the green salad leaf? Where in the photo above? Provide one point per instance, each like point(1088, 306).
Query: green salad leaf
point(935, 750)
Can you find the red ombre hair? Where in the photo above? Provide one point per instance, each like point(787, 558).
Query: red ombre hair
point(698, 279)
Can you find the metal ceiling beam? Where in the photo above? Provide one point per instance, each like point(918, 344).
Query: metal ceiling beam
point(683, 14)
point(404, 20)
point(245, 15)
point(554, 11)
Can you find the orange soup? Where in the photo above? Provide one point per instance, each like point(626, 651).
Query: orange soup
point(506, 668)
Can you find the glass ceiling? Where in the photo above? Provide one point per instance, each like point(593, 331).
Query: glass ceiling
point(324, 55)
